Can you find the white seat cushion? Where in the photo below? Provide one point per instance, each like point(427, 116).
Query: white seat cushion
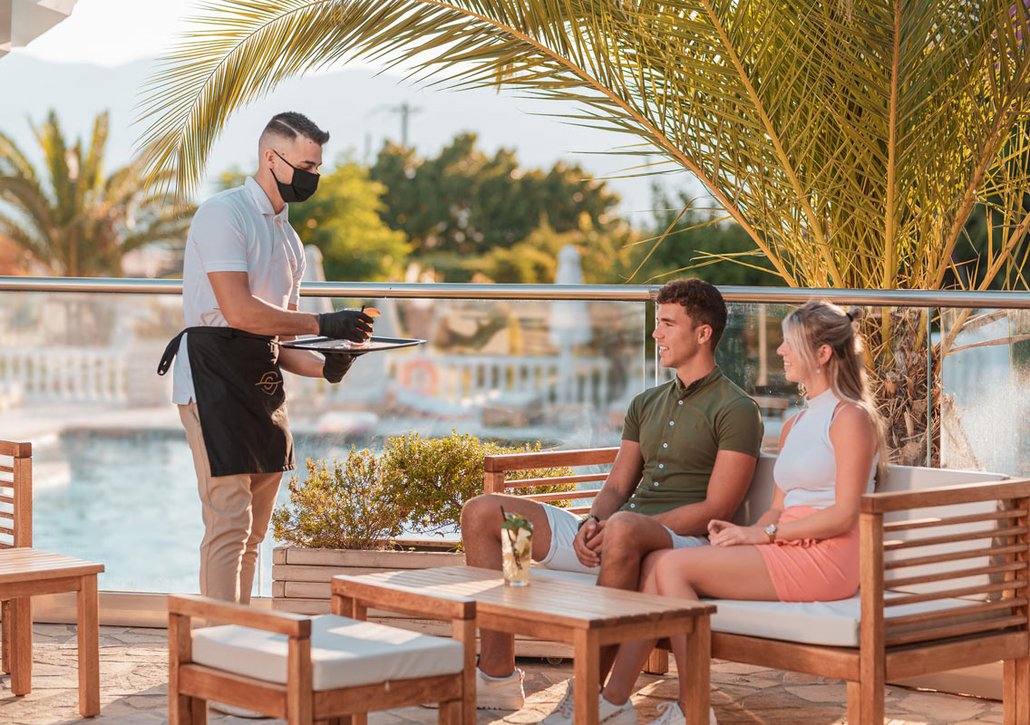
point(557, 574)
point(832, 624)
point(344, 653)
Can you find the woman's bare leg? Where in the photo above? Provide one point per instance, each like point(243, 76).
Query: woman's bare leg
point(688, 573)
point(632, 656)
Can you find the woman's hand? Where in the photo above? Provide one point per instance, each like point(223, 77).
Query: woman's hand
point(725, 533)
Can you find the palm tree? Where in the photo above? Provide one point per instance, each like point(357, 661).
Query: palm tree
point(850, 139)
point(70, 218)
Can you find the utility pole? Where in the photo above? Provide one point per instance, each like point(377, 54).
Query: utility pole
point(406, 111)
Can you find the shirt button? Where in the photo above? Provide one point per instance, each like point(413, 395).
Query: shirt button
point(661, 465)
point(665, 445)
point(632, 505)
point(656, 484)
point(680, 403)
point(672, 422)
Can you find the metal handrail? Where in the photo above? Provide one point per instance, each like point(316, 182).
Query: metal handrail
point(609, 292)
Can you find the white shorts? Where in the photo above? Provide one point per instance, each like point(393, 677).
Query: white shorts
point(565, 526)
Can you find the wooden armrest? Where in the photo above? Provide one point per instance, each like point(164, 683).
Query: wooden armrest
point(214, 610)
point(878, 503)
point(15, 449)
point(407, 600)
point(547, 459)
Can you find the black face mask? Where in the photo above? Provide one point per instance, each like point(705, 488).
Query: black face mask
point(301, 188)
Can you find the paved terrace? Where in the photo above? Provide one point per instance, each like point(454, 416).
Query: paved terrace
point(133, 670)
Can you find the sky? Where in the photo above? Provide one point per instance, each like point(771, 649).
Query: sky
point(112, 33)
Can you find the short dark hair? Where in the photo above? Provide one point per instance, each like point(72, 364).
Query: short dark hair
point(701, 300)
point(292, 124)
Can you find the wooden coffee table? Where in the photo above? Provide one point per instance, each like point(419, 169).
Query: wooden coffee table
point(587, 617)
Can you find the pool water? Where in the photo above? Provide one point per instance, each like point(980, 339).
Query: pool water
point(129, 501)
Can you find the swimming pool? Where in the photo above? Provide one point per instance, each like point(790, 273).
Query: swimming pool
point(129, 500)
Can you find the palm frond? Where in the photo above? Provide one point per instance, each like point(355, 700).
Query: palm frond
point(851, 143)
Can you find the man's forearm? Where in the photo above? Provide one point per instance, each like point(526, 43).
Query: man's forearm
point(301, 362)
point(262, 318)
point(606, 503)
point(691, 519)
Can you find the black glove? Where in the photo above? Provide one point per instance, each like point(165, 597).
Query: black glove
point(353, 325)
point(336, 366)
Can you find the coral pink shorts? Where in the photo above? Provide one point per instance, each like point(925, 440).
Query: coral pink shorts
point(810, 570)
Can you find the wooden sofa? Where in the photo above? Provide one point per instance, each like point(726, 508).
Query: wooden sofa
point(944, 560)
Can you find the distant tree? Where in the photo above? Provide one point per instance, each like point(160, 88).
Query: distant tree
point(464, 202)
point(606, 255)
point(687, 241)
point(70, 218)
point(343, 220)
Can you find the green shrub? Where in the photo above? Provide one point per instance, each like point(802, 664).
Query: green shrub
point(349, 505)
point(415, 485)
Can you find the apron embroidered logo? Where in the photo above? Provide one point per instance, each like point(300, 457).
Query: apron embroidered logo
point(269, 382)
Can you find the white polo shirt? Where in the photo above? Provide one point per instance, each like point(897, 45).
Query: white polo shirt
point(235, 231)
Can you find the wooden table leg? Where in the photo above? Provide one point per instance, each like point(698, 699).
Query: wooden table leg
point(587, 672)
point(89, 646)
point(698, 674)
point(5, 636)
point(20, 611)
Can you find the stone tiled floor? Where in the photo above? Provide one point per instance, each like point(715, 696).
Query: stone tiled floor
point(133, 666)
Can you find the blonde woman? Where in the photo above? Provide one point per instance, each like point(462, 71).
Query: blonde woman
point(805, 547)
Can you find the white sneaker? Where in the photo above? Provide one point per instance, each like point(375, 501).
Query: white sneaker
point(500, 693)
point(608, 713)
point(563, 713)
point(672, 714)
point(235, 711)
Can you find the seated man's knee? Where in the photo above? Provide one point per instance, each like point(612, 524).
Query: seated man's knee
point(623, 526)
point(622, 534)
point(480, 512)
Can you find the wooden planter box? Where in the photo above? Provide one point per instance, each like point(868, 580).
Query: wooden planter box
point(300, 584)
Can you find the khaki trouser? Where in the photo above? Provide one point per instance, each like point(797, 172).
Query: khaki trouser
point(236, 511)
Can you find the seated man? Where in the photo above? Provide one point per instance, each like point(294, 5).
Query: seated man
point(688, 452)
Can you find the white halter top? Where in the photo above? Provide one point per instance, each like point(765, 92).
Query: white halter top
point(805, 469)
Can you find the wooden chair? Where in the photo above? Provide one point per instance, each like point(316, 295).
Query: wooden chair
point(328, 669)
point(26, 572)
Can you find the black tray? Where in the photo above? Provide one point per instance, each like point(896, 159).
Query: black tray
point(329, 344)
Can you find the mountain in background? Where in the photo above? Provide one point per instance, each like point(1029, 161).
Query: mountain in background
point(357, 106)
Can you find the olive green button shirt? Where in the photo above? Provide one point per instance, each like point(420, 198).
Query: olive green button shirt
point(680, 430)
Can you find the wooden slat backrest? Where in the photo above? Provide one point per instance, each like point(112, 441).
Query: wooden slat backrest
point(496, 468)
point(15, 494)
point(963, 549)
point(948, 539)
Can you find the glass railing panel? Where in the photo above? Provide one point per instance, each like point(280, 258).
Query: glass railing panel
point(985, 405)
point(114, 478)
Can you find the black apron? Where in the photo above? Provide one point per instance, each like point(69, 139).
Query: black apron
point(240, 399)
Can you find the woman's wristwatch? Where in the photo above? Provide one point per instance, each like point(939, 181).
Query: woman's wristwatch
point(770, 531)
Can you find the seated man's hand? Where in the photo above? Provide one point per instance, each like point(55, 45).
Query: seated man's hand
point(587, 543)
point(353, 325)
point(336, 365)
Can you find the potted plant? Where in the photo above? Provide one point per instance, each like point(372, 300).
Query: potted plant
point(378, 510)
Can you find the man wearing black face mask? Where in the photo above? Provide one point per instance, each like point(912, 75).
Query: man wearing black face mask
point(241, 288)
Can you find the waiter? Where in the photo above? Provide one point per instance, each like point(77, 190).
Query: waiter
point(241, 287)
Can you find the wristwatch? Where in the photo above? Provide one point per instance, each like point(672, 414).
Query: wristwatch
point(587, 518)
point(770, 531)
